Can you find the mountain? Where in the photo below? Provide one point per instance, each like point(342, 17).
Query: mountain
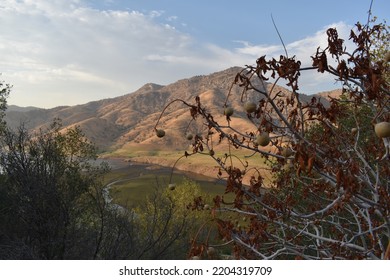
point(331, 94)
point(129, 120)
point(20, 109)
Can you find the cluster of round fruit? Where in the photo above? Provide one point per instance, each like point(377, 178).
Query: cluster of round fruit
point(249, 107)
point(160, 133)
point(382, 130)
point(263, 138)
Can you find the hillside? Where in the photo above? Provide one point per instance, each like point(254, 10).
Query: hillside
point(124, 126)
point(112, 123)
point(20, 109)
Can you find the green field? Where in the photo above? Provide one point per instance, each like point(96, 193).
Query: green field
point(134, 183)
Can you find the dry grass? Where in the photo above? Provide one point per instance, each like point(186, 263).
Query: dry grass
point(198, 163)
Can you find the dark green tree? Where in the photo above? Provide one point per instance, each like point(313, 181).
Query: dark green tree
point(46, 179)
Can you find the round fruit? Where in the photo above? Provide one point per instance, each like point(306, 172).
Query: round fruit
point(286, 152)
point(160, 133)
point(262, 139)
point(228, 111)
point(189, 136)
point(172, 187)
point(211, 153)
point(211, 251)
point(354, 130)
point(382, 129)
point(250, 107)
point(206, 207)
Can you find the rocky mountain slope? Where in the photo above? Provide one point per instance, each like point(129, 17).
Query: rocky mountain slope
point(130, 119)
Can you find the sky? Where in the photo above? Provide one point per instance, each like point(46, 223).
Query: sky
point(68, 52)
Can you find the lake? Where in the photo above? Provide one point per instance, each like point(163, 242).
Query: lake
point(131, 182)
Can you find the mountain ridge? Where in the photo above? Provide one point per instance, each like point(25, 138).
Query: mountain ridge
point(114, 123)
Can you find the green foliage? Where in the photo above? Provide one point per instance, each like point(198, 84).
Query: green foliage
point(167, 221)
point(5, 90)
point(53, 204)
point(353, 127)
point(46, 179)
point(380, 41)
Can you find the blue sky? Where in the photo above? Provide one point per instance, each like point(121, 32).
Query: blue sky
point(67, 52)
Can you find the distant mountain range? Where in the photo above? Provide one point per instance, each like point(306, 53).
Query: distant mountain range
point(130, 119)
point(20, 109)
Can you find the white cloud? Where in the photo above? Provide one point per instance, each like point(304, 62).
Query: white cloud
point(63, 52)
point(258, 50)
point(156, 13)
point(302, 49)
point(47, 46)
point(310, 81)
point(172, 18)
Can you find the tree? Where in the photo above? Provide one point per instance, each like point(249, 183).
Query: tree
point(166, 221)
point(53, 204)
point(46, 180)
point(329, 197)
point(4, 93)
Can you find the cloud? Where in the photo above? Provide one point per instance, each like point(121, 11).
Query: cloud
point(172, 18)
point(58, 48)
point(61, 52)
point(303, 49)
point(257, 50)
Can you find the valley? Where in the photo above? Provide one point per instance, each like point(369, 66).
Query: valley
point(130, 183)
point(124, 127)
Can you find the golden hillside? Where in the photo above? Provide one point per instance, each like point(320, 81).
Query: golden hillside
point(124, 124)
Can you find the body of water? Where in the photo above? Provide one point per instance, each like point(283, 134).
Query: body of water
point(135, 167)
